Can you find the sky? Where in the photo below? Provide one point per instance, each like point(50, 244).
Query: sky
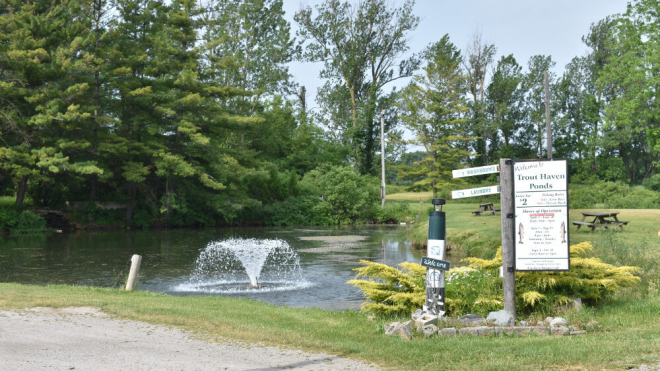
point(520, 27)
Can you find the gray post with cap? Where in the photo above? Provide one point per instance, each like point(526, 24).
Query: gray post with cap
point(435, 248)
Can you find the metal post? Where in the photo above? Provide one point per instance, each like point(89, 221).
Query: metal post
point(548, 131)
point(506, 204)
point(435, 278)
point(382, 156)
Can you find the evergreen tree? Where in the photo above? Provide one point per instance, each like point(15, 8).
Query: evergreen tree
point(435, 111)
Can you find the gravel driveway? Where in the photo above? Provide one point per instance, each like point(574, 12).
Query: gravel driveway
point(86, 339)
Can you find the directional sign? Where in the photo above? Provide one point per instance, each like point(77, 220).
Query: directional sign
point(481, 170)
point(473, 192)
point(435, 263)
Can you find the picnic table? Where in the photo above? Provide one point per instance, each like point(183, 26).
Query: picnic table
point(600, 220)
point(486, 208)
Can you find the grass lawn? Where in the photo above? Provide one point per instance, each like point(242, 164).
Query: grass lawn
point(630, 333)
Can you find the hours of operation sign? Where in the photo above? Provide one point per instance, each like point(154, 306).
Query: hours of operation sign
point(541, 215)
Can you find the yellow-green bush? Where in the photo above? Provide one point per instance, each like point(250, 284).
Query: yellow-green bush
point(477, 288)
point(589, 278)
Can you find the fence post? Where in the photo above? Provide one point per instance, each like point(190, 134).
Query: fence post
point(133, 274)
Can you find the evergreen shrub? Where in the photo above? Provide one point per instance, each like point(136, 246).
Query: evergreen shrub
point(477, 288)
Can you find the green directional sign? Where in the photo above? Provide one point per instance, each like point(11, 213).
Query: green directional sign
point(435, 263)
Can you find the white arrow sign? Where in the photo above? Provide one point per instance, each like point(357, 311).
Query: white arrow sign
point(481, 170)
point(473, 192)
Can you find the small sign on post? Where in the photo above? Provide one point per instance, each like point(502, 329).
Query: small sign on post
point(435, 263)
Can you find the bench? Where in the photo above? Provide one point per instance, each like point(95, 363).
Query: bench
point(486, 208)
point(594, 225)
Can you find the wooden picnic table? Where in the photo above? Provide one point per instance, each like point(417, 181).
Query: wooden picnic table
point(486, 208)
point(601, 219)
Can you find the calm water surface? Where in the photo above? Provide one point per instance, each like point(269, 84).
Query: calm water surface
point(168, 259)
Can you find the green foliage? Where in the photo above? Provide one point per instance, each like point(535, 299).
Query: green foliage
point(391, 291)
point(346, 195)
point(471, 290)
point(589, 278)
point(613, 195)
point(652, 183)
point(393, 212)
point(301, 210)
point(91, 213)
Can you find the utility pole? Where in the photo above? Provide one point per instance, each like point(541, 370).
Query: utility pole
point(382, 156)
point(547, 117)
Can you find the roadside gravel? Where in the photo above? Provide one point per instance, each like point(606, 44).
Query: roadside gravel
point(86, 339)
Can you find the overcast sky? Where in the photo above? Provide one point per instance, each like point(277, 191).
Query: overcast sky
point(520, 27)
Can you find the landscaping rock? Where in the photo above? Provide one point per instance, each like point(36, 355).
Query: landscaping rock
point(558, 322)
point(392, 327)
point(548, 320)
point(477, 331)
point(447, 332)
point(404, 330)
point(426, 319)
point(418, 313)
point(579, 332)
point(430, 330)
point(473, 320)
point(559, 330)
point(501, 318)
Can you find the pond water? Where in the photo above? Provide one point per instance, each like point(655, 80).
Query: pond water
point(171, 261)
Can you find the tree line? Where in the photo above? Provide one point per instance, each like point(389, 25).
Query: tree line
point(186, 111)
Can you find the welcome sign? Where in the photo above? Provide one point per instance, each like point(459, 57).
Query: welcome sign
point(541, 215)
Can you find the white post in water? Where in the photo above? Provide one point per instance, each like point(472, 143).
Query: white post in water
point(133, 274)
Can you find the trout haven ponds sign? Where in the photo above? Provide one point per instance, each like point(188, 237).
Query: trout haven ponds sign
point(541, 215)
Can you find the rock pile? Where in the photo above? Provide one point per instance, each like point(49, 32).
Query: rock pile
point(497, 323)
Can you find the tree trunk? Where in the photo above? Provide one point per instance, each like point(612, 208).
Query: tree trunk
point(22, 189)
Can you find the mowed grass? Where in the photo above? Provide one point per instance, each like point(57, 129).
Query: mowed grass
point(480, 236)
point(630, 333)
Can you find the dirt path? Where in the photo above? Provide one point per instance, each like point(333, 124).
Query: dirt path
point(86, 339)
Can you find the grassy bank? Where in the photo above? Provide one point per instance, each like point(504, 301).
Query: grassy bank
point(629, 335)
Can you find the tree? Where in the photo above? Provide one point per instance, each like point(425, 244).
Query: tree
point(39, 52)
point(360, 46)
point(249, 45)
point(435, 111)
point(534, 86)
point(478, 58)
point(506, 104)
point(632, 73)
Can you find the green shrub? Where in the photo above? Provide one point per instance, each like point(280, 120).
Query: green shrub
point(477, 288)
point(614, 196)
point(29, 222)
point(652, 183)
point(393, 212)
point(589, 278)
point(391, 291)
point(301, 210)
point(8, 218)
point(345, 194)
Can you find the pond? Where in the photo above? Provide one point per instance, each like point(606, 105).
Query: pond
point(171, 261)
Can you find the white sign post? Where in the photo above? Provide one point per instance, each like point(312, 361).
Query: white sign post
point(541, 215)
